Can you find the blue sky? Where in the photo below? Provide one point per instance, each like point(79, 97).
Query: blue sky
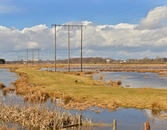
point(21, 14)
point(131, 20)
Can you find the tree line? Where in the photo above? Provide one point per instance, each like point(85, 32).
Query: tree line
point(100, 60)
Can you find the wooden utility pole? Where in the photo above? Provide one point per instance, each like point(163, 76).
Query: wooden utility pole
point(55, 48)
point(68, 48)
point(27, 57)
point(38, 57)
point(32, 56)
point(81, 47)
point(55, 25)
point(27, 50)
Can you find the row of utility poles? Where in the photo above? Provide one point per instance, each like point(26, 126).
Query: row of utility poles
point(65, 26)
point(69, 26)
point(32, 50)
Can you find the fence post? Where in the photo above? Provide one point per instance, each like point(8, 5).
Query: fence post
point(80, 121)
point(146, 126)
point(114, 124)
point(54, 125)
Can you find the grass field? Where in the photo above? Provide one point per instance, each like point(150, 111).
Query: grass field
point(86, 92)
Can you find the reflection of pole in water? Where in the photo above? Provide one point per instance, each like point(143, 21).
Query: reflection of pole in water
point(147, 126)
point(68, 48)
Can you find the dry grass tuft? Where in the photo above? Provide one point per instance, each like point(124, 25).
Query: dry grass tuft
point(2, 86)
point(119, 82)
point(155, 105)
point(67, 99)
point(36, 96)
point(111, 82)
point(7, 90)
point(155, 108)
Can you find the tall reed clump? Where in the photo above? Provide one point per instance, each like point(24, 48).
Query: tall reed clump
point(36, 116)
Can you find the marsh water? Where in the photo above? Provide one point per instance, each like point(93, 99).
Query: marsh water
point(134, 79)
point(127, 119)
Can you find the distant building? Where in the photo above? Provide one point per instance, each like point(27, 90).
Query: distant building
point(108, 60)
point(2, 61)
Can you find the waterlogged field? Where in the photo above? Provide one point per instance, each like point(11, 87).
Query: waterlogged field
point(80, 92)
point(135, 79)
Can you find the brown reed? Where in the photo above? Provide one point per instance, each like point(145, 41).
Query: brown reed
point(36, 117)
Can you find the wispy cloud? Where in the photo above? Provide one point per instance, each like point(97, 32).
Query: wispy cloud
point(6, 9)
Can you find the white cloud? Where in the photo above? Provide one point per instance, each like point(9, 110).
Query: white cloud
point(116, 41)
point(154, 19)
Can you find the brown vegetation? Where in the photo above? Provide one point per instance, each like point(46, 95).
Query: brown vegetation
point(36, 117)
point(7, 90)
point(33, 94)
point(2, 86)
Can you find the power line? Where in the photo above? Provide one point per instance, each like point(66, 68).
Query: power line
point(127, 18)
point(126, 9)
point(111, 9)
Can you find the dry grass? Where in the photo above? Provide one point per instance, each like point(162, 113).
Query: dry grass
point(7, 90)
point(2, 86)
point(37, 116)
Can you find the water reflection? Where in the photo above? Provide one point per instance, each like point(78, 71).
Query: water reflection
point(127, 119)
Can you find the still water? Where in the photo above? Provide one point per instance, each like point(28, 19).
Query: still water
point(134, 79)
point(7, 77)
point(127, 119)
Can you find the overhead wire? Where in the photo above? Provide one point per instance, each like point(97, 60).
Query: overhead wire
point(126, 9)
point(126, 17)
point(111, 8)
point(135, 16)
